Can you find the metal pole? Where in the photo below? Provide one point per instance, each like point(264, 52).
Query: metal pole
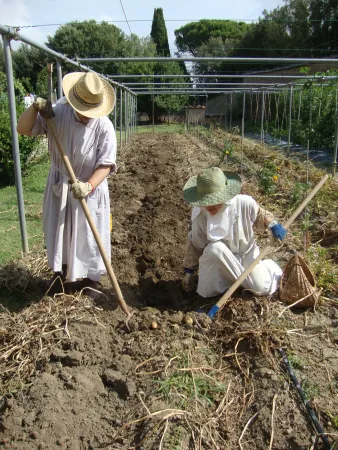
point(243, 115)
point(59, 77)
point(262, 119)
point(234, 76)
point(115, 109)
point(230, 112)
point(136, 115)
point(210, 58)
point(153, 113)
point(125, 117)
point(290, 119)
point(334, 161)
point(226, 113)
point(15, 142)
point(121, 109)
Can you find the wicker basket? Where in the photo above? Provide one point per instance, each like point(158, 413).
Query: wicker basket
point(298, 282)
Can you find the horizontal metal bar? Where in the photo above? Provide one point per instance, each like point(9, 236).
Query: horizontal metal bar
point(292, 77)
point(209, 59)
point(14, 34)
point(257, 85)
point(253, 91)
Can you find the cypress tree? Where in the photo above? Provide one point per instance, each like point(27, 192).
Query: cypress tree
point(159, 33)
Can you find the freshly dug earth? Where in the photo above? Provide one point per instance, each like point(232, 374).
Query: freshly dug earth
point(75, 375)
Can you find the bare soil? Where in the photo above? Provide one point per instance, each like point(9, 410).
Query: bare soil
point(76, 376)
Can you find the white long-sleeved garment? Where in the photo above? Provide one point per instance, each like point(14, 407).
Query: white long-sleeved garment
point(227, 246)
point(68, 237)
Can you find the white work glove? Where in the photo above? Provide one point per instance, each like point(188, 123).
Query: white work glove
point(189, 282)
point(81, 189)
point(44, 107)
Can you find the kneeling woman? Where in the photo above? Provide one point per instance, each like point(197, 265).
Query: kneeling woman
point(221, 243)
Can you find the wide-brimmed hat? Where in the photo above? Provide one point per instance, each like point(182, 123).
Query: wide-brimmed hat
point(212, 187)
point(89, 94)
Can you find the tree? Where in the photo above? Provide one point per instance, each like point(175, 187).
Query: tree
point(27, 63)
point(191, 37)
point(159, 33)
point(209, 38)
point(89, 39)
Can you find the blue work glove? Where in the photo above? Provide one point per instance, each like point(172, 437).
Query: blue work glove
point(277, 230)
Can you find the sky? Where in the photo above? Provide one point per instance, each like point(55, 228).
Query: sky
point(176, 13)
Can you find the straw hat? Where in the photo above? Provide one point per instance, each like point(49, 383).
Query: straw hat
point(212, 187)
point(89, 94)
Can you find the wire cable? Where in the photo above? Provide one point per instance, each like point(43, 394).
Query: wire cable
point(125, 16)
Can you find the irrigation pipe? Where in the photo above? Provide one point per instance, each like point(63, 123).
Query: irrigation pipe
point(52, 129)
point(265, 250)
point(313, 417)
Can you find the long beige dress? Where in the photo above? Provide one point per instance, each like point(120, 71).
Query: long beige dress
point(68, 237)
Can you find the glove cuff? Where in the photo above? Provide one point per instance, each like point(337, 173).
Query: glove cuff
point(273, 223)
point(91, 186)
point(187, 270)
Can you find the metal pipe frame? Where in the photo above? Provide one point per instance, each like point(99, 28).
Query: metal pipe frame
point(59, 78)
point(246, 75)
point(188, 84)
point(121, 118)
point(15, 142)
point(227, 59)
point(12, 33)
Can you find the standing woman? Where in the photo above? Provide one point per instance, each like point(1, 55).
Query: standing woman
point(88, 139)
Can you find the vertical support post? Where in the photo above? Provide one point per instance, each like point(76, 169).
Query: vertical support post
point(125, 117)
point(153, 112)
point(243, 116)
point(290, 119)
point(230, 125)
point(225, 111)
point(262, 118)
point(115, 109)
point(334, 161)
point(59, 78)
point(15, 142)
point(136, 117)
point(121, 116)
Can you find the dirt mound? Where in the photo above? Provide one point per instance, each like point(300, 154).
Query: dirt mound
point(76, 376)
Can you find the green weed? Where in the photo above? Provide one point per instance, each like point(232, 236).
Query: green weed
point(296, 362)
point(322, 266)
point(267, 178)
point(310, 389)
point(183, 385)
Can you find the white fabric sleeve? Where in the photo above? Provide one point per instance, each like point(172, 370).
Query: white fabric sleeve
point(199, 232)
point(106, 151)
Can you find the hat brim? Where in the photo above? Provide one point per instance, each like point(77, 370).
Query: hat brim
point(229, 191)
point(104, 109)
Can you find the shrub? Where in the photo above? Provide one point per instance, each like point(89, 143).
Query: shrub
point(26, 144)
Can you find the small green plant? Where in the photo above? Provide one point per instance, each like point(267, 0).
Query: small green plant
point(182, 386)
point(227, 150)
point(296, 362)
point(298, 192)
point(320, 263)
point(310, 389)
point(267, 178)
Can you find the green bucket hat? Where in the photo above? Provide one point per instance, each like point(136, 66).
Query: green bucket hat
point(212, 187)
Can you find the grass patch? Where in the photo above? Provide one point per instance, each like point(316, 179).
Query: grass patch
point(162, 128)
point(33, 188)
point(184, 386)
